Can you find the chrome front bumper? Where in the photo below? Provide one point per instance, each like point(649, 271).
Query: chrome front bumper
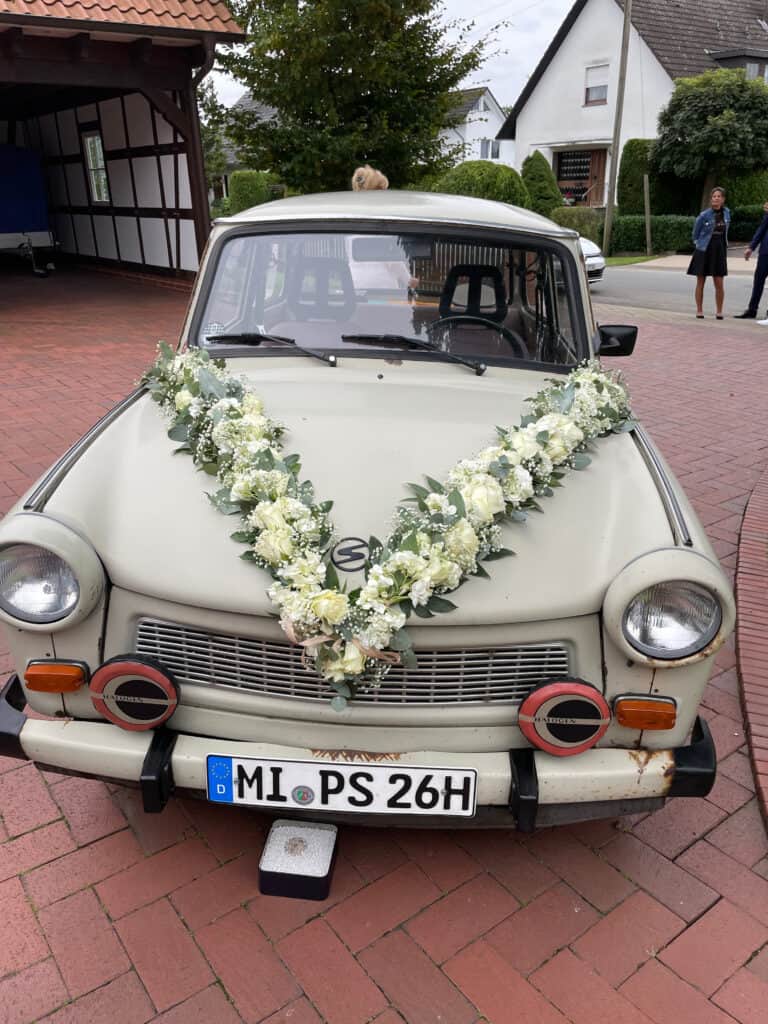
point(524, 787)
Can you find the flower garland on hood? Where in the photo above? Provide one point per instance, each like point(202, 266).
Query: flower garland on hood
point(440, 536)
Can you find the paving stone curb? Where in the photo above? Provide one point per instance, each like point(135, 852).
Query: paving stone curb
point(752, 632)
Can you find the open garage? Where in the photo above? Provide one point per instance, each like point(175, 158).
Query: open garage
point(100, 154)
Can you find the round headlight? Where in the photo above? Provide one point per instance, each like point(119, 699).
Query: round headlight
point(673, 619)
point(36, 585)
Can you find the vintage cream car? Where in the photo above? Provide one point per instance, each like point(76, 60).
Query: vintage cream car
point(391, 333)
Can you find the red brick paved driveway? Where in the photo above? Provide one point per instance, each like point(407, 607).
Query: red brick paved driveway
point(107, 915)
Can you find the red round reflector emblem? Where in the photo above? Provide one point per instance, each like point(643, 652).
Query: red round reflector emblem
point(564, 717)
point(133, 692)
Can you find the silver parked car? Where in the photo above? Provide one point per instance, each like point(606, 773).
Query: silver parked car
point(230, 634)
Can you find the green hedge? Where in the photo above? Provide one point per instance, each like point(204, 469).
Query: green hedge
point(746, 189)
point(584, 219)
point(540, 180)
point(486, 180)
point(669, 233)
point(745, 220)
point(251, 188)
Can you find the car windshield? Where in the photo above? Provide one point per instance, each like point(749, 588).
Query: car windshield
point(344, 292)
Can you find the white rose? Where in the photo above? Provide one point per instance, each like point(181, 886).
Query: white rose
point(462, 543)
point(483, 498)
point(420, 592)
point(523, 444)
point(183, 400)
point(563, 433)
point(518, 486)
point(442, 572)
point(353, 660)
point(252, 405)
point(330, 605)
point(267, 516)
point(274, 546)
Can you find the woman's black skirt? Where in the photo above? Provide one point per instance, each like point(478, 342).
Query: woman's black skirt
point(710, 262)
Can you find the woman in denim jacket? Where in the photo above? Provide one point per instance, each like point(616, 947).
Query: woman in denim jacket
point(710, 236)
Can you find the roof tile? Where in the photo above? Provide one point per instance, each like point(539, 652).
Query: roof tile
point(211, 16)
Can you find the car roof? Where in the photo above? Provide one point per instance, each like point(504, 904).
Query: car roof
point(392, 204)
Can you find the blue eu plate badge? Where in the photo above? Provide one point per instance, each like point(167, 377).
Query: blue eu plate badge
point(220, 779)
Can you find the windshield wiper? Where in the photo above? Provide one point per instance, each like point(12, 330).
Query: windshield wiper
point(417, 343)
point(256, 338)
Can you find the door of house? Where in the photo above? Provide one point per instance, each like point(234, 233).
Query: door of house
point(581, 176)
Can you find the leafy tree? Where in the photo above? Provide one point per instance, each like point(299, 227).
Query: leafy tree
point(212, 121)
point(351, 82)
point(486, 180)
point(541, 183)
point(712, 123)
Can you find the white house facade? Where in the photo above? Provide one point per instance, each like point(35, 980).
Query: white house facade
point(567, 108)
point(478, 119)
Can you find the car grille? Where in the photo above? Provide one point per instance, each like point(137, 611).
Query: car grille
point(483, 675)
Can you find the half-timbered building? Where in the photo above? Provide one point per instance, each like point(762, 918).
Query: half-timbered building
point(103, 91)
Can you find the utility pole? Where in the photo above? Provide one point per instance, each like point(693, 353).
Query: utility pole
point(615, 155)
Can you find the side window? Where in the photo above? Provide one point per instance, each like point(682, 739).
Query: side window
point(95, 167)
point(596, 88)
point(494, 149)
point(484, 144)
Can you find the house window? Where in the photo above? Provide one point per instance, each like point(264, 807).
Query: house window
point(485, 145)
point(596, 91)
point(753, 69)
point(494, 149)
point(95, 166)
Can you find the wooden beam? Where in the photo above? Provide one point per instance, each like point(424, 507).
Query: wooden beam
point(141, 51)
point(87, 73)
point(79, 46)
point(196, 170)
point(172, 114)
point(12, 41)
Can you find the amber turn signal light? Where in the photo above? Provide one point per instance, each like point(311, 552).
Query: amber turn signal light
point(637, 712)
point(55, 676)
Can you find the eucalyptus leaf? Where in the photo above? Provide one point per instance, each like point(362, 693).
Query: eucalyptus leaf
point(331, 577)
point(457, 501)
point(517, 515)
point(400, 641)
point(581, 461)
point(543, 436)
point(408, 658)
point(494, 556)
point(242, 536)
point(339, 703)
point(440, 604)
point(436, 486)
point(417, 489)
point(481, 572)
point(210, 385)
point(211, 468)
point(179, 432)
point(422, 611)
point(410, 543)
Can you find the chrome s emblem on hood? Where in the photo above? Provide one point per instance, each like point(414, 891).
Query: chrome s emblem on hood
point(350, 554)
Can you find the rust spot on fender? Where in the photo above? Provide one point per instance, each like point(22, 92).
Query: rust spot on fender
point(643, 758)
point(355, 755)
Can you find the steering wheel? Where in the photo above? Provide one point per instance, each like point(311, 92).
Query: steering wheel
point(509, 336)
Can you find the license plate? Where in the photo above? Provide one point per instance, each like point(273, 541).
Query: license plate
point(351, 788)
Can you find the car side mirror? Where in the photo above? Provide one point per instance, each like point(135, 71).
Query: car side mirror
point(615, 340)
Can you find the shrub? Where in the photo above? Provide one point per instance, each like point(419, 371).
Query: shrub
point(486, 180)
point(220, 208)
point(634, 164)
point(251, 188)
point(670, 233)
point(540, 180)
point(584, 219)
point(744, 222)
point(673, 195)
point(746, 189)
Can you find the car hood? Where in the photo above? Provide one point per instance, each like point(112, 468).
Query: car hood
point(363, 430)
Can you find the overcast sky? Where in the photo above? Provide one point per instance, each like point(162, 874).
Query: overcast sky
point(532, 24)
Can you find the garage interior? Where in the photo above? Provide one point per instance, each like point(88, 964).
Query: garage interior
point(105, 99)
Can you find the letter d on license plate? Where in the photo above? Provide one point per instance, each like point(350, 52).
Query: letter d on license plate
point(350, 788)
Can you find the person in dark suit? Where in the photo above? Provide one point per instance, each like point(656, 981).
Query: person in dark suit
point(759, 243)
